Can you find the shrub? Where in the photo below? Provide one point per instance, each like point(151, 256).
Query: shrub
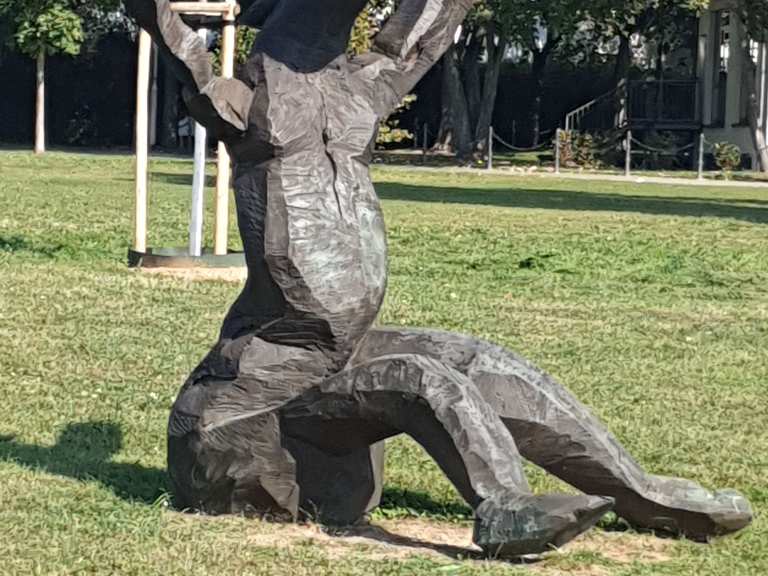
point(727, 157)
point(585, 150)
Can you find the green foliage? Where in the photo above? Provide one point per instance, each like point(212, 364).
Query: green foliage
point(390, 131)
point(523, 21)
point(362, 33)
point(585, 150)
point(244, 39)
point(755, 15)
point(727, 157)
point(627, 17)
point(57, 30)
point(48, 26)
point(243, 43)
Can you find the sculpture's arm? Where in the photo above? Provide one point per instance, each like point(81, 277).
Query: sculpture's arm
point(414, 38)
point(219, 104)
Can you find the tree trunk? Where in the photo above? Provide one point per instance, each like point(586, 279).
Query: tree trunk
point(490, 89)
point(169, 112)
point(758, 137)
point(40, 105)
point(538, 67)
point(753, 114)
point(623, 60)
point(454, 134)
point(471, 77)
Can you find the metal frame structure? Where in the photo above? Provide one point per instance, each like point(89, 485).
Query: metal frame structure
point(227, 11)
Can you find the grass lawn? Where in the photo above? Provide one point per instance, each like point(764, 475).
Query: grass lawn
point(650, 302)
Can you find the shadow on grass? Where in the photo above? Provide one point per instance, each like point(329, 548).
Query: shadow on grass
point(180, 179)
point(396, 501)
point(84, 451)
point(749, 210)
point(16, 244)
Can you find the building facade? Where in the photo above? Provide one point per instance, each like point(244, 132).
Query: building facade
point(732, 69)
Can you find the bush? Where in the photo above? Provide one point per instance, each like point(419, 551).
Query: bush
point(585, 150)
point(727, 157)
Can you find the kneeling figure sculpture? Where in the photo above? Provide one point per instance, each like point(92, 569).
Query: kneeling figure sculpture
point(285, 415)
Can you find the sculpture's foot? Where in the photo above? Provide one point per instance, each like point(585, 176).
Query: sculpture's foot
point(681, 507)
point(510, 527)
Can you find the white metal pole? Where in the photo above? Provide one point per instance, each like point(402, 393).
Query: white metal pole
point(702, 143)
point(557, 151)
point(490, 148)
point(142, 142)
point(628, 158)
point(221, 225)
point(40, 104)
point(198, 184)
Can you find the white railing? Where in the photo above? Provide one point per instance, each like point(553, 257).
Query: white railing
point(573, 119)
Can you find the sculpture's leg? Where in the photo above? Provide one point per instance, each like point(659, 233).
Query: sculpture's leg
point(447, 415)
point(226, 452)
point(554, 430)
point(336, 489)
point(233, 464)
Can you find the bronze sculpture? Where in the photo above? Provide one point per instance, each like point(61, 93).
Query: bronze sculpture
point(285, 415)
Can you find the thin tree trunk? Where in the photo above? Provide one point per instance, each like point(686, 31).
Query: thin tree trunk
point(40, 105)
point(753, 115)
point(471, 77)
point(623, 60)
point(490, 89)
point(537, 75)
point(758, 137)
point(169, 113)
point(454, 134)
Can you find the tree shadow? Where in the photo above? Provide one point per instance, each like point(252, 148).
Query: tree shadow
point(180, 179)
point(84, 451)
point(382, 535)
point(421, 504)
point(749, 210)
point(17, 244)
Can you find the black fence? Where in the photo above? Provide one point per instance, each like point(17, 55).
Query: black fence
point(664, 104)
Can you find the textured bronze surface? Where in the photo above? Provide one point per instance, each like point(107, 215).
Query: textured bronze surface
point(285, 415)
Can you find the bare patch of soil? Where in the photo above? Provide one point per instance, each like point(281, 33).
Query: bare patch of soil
point(235, 275)
point(403, 538)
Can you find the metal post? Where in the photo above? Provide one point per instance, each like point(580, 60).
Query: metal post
point(198, 185)
point(557, 150)
point(490, 148)
point(40, 104)
point(142, 142)
point(702, 145)
point(425, 133)
point(628, 158)
point(416, 134)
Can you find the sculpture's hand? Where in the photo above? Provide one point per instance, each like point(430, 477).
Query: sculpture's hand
point(414, 38)
point(219, 104)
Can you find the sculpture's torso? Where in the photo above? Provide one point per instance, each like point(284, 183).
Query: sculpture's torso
point(310, 219)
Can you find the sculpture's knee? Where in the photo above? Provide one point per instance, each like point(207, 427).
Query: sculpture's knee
point(234, 465)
